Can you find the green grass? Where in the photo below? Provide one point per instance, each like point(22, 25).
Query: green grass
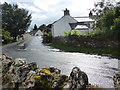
point(86, 50)
point(6, 43)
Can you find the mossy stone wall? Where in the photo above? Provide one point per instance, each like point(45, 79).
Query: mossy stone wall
point(86, 42)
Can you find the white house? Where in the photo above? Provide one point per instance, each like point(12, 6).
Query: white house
point(36, 33)
point(68, 22)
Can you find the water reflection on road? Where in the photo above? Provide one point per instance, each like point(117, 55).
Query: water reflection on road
point(100, 69)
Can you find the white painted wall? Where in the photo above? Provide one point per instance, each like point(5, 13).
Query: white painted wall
point(62, 25)
point(38, 33)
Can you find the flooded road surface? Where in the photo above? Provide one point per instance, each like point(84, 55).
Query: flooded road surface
point(100, 69)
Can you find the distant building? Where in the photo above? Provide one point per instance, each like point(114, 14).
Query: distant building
point(68, 22)
point(36, 33)
point(25, 36)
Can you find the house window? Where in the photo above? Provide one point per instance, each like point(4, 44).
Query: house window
point(81, 27)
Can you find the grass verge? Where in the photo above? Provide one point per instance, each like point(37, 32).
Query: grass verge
point(86, 50)
point(7, 43)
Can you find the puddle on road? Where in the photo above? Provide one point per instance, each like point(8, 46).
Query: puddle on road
point(54, 50)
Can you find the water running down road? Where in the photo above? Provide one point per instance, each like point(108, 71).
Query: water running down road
point(99, 69)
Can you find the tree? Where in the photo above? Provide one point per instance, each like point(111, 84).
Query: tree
point(100, 8)
point(108, 19)
point(47, 34)
point(104, 14)
point(116, 25)
point(90, 14)
point(35, 27)
point(48, 28)
point(117, 11)
point(43, 27)
point(15, 20)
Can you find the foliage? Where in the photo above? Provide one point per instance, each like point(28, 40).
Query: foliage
point(6, 35)
point(100, 8)
point(72, 33)
point(86, 50)
point(47, 34)
point(50, 34)
point(75, 32)
point(97, 32)
point(90, 14)
point(35, 27)
point(117, 11)
point(108, 19)
point(102, 12)
point(94, 32)
point(116, 25)
point(0, 33)
point(15, 20)
point(43, 27)
point(68, 33)
point(86, 33)
point(48, 28)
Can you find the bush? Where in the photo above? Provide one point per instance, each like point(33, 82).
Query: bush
point(72, 33)
point(116, 25)
point(68, 33)
point(97, 32)
point(6, 36)
point(86, 33)
point(108, 19)
point(115, 28)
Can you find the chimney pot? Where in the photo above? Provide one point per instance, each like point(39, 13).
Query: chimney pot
point(66, 12)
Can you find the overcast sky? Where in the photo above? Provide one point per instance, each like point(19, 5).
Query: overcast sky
point(48, 11)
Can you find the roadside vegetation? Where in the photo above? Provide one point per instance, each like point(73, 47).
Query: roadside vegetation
point(86, 50)
point(6, 38)
point(15, 22)
point(47, 34)
point(107, 19)
point(72, 33)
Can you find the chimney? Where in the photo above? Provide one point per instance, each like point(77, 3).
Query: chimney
point(66, 12)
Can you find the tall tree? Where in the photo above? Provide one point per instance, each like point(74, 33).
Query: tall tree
point(100, 8)
point(35, 27)
point(108, 19)
point(15, 20)
point(90, 14)
point(102, 13)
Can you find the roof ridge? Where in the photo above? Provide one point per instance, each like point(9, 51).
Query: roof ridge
point(82, 17)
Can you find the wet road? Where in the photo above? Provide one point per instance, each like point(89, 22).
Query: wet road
point(100, 69)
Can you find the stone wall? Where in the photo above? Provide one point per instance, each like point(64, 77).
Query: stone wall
point(86, 42)
point(18, 74)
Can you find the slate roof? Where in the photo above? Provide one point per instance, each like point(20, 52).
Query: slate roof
point(33, 32)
